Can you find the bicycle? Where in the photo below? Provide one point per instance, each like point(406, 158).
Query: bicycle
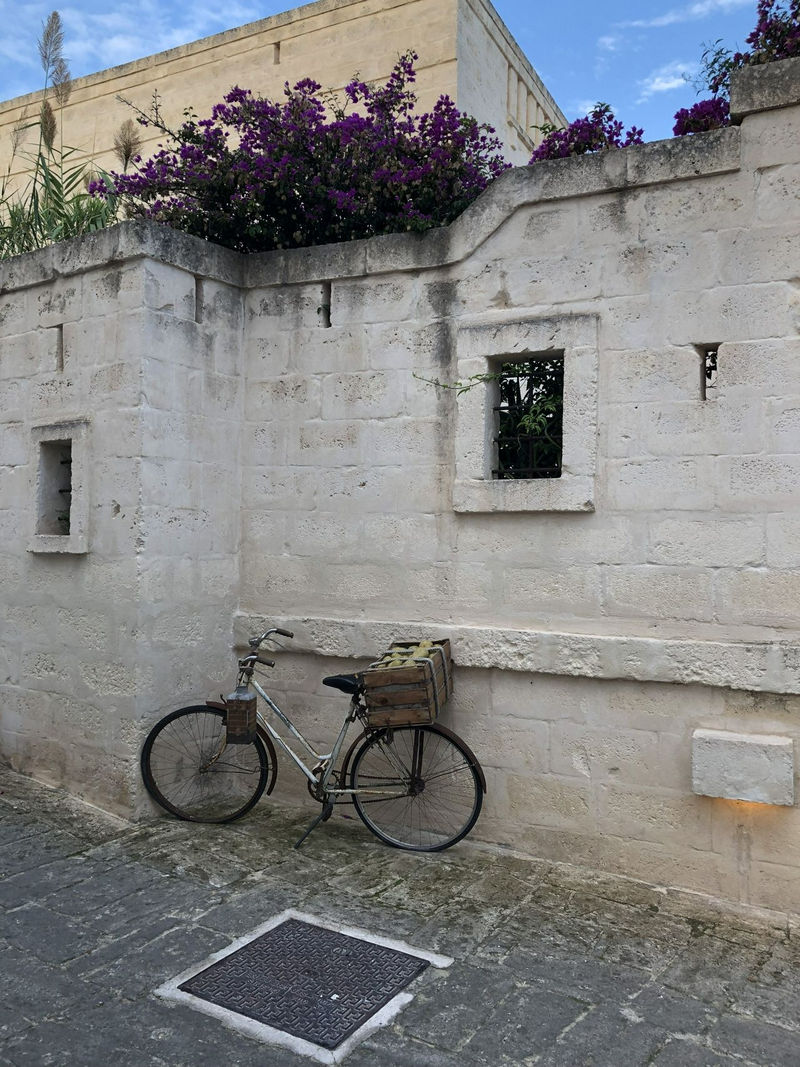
point(416, 787)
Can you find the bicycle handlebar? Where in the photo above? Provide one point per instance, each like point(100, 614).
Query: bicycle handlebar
point(254, 642)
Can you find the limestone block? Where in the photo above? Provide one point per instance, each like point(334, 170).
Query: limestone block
point(706, 542)
point(399, 537)
point(758, 482)
point(108, 290)
point(314, 534)
point(783, 540)
point(27, 354)
point(326, 444)
point(338, 348)
point(285, 308)
point(118, 385)
point(626, 756)
point(663, 816)
point(279, 488)
point(263, 531)
point(14, 313)
point(777, 196)
point(264, 443)
point(755, 767)
point(293, 396)
point(407, 489)
point(696, 427)
point(782, 419)
point(747, 312)
point(405, 440)
point(368, 301)
point(169, 290)
point(762, 368)
point(650, 484)
point(267, 357)
point(546, 800)
point(55, 304)
point(370, 394)
point(661, 375)
point(760, 596)
point(537, 592)
point(657, 592)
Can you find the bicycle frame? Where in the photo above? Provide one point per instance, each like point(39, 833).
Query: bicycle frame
point(328, 759)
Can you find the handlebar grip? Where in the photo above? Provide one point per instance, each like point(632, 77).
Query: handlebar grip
point(285, 633)
point(265, 661)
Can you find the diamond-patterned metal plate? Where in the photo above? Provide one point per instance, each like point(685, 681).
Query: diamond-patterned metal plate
point(313, 983)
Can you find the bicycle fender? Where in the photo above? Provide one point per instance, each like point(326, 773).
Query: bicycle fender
point(273, 756)
point(442, 729)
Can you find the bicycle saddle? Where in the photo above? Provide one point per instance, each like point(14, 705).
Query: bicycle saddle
point(346, 683)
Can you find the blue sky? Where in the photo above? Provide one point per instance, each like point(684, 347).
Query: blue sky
point(632, 54)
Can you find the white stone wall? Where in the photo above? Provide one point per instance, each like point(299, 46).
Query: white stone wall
point(95, 641)
point(278, 468)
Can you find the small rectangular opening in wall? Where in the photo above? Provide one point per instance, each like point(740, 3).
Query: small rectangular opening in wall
point(199, 308)
point(528, 414)
point(54, 496)
point(324, 309)
point(708, 370)
point(59, 347)
point(276, 53)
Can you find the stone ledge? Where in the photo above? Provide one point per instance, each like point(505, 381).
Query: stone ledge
point(764, 88)
point(125, 242)
point(760, 660)
point(676, 159)
point(679, 159)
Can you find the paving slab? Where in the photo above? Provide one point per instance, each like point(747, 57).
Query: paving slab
point(553, 966)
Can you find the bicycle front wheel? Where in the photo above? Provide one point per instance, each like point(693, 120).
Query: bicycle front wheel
point(191, 772)
point(432, 786)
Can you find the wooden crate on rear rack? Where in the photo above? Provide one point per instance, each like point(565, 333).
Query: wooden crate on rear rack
point(400, 696)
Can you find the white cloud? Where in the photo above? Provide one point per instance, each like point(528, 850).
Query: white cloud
point(610, 42)
point(663, 80)
point(691, 13)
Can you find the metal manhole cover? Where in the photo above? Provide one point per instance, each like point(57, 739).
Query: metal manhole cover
point(316, 984)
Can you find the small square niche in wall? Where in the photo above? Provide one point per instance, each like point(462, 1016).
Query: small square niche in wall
point(58, 502)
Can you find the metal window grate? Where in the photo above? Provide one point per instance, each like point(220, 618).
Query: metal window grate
point(529, 419)
point(708, 371)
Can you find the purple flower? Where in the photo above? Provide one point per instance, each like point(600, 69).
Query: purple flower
point(262, 174)
point(598, 131)
point(704, 115)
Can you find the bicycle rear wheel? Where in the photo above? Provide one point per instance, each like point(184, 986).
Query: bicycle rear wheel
point(190, 771)
point(436, 784)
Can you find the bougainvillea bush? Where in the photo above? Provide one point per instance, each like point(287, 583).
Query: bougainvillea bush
point(703, 116)
point(261, 174)
point(776, 35)
point(598, 131)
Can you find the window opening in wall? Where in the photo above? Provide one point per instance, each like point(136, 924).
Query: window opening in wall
point(324, 309)
point(276, 53)
point(529, 418)
point(54, 487)
point(708, 371)
point(59, 347)
point(199, 308)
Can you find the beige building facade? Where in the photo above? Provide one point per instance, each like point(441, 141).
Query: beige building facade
point(464, 50)
point(625, 636)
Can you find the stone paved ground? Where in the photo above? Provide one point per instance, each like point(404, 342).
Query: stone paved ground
point(553, 967)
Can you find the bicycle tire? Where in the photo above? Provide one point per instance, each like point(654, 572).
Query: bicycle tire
point(256, 753)
point(464, 772)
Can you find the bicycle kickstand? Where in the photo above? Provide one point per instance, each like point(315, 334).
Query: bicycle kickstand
point(323, 816)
